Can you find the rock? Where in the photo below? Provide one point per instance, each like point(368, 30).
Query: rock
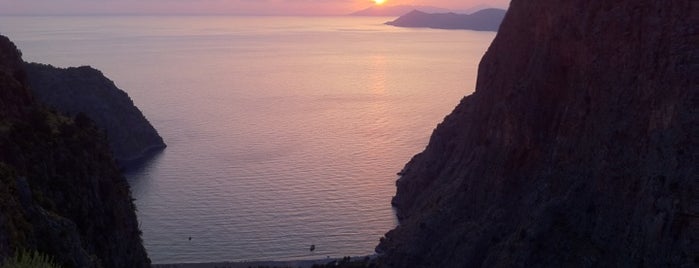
point(484, 20)
point(86, 90)
point(61, 192)
point(577, 149)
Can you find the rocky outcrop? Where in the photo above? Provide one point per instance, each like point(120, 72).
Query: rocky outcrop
point(86, 90)
point(577, 149)
point(484, 20)
point(61, 192)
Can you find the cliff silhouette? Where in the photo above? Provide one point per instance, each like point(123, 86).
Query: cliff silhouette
point(577, 149)
point(483, 20)
point(61, 192)
point(86, 90)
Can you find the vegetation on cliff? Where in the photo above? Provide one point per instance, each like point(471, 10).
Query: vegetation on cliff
point(577, 149)
point(33, 259)
point(60, 189)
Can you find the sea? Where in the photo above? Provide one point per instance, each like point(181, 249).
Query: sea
point(282, 132)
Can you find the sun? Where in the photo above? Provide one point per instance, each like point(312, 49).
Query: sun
point(379, 2)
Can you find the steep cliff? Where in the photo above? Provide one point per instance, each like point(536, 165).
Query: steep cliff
point(577, 149)
point(484, 20)
point(86, 90)
point(61, 192)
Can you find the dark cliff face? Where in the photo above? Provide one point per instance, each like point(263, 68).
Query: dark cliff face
point(86, 90)
point(61, 192)
point(15, 96)
point(578, 148)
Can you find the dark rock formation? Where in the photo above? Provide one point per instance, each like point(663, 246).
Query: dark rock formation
point(577, 149)
point(61, 192)
point(398, 10)
point(86, 90)
point(484, 20)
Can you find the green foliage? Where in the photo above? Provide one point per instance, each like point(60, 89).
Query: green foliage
point(32, 259)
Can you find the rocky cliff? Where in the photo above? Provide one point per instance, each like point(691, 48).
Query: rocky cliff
point(86, 90)
point(484, 20)
point(61, 192)
point(577, 149)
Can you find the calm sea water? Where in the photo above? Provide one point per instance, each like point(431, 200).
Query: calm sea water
point(282, 131)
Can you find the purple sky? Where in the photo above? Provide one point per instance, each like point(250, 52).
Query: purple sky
point(252, 7)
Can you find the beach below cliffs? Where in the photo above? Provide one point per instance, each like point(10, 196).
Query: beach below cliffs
point(245, 264)
point(248, 264)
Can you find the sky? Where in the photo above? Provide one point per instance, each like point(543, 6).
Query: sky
point(234, 7)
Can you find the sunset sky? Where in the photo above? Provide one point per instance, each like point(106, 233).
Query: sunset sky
point(241, 7)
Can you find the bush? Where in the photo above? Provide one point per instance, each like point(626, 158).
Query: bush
point(33, 259)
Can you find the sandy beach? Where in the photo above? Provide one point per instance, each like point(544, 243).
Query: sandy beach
point(294, 264)
point(254, 264)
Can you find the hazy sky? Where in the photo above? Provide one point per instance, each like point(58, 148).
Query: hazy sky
point(271, 7)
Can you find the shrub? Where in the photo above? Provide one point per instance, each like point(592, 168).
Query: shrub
point(33, 259)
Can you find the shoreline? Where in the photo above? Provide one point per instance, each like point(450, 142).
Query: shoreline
point(253, 264)
point(141, 159)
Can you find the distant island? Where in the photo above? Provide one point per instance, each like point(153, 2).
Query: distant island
point(484, 20)
point(399, 10)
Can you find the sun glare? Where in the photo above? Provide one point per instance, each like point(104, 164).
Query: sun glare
point(379, 2)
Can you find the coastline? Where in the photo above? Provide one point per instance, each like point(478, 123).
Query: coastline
point(245, 264)
point(139, 160)
point(269, 264)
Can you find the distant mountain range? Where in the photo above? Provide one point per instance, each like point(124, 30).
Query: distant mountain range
point(398, 10)
point(484, 20)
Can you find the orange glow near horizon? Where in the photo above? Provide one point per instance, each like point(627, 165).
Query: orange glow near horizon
point(225, 7)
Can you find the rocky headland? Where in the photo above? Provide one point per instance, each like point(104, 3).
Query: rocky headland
point(577, 149)
point(86, 90)
point(483, 20)
point(61, 192)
